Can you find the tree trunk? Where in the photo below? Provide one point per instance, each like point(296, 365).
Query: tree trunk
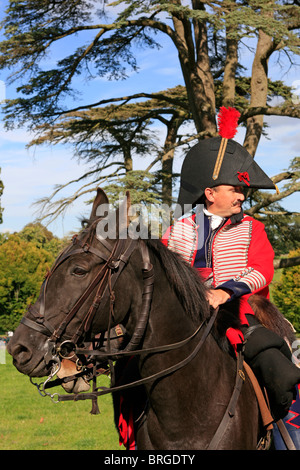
point(259, 90)
point(167, 159)
point(230, 70)
point(195, 66)
point(127, 157)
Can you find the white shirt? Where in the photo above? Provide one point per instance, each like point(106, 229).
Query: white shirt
point(215, 220)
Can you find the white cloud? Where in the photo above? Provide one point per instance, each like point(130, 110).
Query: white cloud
point(31, 174)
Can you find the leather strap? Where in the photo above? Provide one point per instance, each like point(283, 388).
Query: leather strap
point(163, 373)
point(265, 412)
point(230, 410)
point(285, 435)
point(267, 418)
point(250, 330)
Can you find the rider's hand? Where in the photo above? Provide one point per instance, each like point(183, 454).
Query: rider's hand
point(218, 297)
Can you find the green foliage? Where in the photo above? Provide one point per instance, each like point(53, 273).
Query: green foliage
point(25, 258)
point(42, 238)
point(283, 230)
point(141, 185)
point(286, 293)
point(282, 226)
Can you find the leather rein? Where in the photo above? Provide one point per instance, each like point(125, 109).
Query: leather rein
point(104, 281)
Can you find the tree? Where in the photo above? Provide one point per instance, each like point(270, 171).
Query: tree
point(108, 137)
point(41, 237)
point(286, 293)
point(25, 258)
point(281, 225)
point(209, 37)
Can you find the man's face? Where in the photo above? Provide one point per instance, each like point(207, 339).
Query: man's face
point(225, 200)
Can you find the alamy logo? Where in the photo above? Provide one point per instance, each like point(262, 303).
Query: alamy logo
point(142, 222)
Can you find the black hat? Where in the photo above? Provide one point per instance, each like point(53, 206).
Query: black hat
point(205, 167)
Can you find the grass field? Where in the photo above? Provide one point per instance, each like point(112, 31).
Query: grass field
point(31, 422)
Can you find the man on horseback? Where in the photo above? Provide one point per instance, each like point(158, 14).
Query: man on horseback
point(232, 252)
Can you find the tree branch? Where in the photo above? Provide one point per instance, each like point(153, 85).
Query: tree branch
point(270, 198)
point(126, 99)
point(286, 262)
point(286, 111)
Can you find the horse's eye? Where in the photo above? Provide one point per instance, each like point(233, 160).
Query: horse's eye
point(78, 271)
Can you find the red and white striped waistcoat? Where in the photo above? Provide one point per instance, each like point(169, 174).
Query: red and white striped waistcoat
point(232, 257)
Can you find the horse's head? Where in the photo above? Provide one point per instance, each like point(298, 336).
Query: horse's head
point(77, 295)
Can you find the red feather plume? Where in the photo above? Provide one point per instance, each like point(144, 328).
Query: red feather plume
point(228, 122)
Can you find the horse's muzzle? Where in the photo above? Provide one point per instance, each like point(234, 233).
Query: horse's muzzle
point(20, 353)
point(36, 365)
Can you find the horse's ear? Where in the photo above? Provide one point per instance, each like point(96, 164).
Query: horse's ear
point(100, 199)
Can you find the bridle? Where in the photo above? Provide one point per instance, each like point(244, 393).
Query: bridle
point(104, 281)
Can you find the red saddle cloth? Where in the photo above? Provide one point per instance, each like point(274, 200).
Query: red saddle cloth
point(126, 426)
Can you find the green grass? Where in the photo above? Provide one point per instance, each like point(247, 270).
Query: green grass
point(31, 422)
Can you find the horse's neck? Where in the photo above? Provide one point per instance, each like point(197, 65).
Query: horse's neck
point(168, 320)
point(206, 367)
point(169, 323)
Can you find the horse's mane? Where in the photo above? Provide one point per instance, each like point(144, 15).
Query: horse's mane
point(184, 279)
point(268, 315)
point(191, 292)
point(187, 284)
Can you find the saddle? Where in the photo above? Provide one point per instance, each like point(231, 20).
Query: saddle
point(267, 419)
point(264, 345)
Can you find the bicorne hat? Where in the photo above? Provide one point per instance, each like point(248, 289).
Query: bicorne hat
point(216, 161)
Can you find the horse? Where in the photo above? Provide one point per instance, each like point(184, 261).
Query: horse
point(172, 364)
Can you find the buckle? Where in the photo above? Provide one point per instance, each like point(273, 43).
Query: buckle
point(114, 264)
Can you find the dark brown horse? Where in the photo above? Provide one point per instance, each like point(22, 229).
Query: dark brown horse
point(96, 284)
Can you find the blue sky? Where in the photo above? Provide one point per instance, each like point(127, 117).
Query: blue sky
point(29, 174)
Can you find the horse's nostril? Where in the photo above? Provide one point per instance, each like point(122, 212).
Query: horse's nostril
point(21, 354)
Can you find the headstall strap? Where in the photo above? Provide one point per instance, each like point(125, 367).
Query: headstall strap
point(99, 279)
point(104, 281)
